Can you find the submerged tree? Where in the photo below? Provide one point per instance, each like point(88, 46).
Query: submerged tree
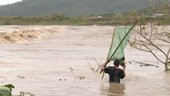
point(154, 39)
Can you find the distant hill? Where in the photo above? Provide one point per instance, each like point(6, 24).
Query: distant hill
point(70, 7)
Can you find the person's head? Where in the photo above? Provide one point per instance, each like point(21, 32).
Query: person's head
point(116, 62)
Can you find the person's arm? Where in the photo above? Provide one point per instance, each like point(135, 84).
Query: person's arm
point(123, 73)
point(103, 66)
point(107, 69)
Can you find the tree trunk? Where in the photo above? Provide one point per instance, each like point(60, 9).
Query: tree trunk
point(167, 61)
point(166, 67)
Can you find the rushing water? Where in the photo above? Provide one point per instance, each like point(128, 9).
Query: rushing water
point(59, 66)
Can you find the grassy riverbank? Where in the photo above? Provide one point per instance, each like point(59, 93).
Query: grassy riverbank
point(98, 20)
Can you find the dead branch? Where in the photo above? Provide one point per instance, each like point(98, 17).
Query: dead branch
point(144, 64)
point(92, 69)
point(153, 45)
point(153, 54)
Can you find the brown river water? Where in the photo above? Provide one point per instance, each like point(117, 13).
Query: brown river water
point(58, 64)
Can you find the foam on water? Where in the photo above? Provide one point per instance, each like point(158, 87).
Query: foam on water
point(19, 34)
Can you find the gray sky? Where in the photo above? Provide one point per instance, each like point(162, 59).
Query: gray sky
point(4, 2)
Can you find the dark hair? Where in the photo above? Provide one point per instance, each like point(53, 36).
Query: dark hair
point(116, 62)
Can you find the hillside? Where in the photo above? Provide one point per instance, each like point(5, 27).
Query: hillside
point(70, 7)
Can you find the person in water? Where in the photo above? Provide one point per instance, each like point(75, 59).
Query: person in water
point(114, 72)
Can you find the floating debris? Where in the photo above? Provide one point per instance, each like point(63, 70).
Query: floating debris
point(26, 94)
point(80, 77)
point(21, 77)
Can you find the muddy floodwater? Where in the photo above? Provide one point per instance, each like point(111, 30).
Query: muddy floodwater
point(59, 65)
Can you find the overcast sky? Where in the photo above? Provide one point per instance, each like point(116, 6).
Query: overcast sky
point(4, 2)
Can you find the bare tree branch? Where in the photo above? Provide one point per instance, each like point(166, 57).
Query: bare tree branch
point(153, 54)
point(168, 53)
point(154, 45)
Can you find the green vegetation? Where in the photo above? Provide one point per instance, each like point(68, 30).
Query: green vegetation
point(98, 20)
point(85, 12)
point(5, 90)
point(70, 7)
point(47, 20)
